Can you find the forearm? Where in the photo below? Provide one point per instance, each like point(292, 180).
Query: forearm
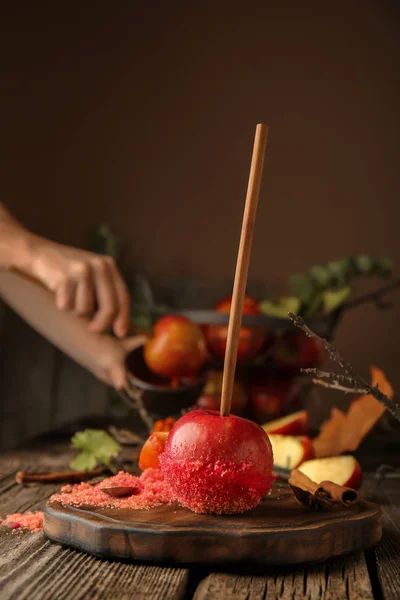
point(16, 242)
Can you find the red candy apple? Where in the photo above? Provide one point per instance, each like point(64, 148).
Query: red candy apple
point(177, 348)
point(211, 396)
point(343, 470)
point(295, 424)
point(294, 351)
point(215, 464)
point(251, 340)
point(291, 451)
point(151, 450)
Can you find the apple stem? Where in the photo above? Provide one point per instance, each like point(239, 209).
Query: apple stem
point(242, 267)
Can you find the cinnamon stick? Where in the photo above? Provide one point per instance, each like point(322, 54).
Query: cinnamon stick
point(323, 495)
point(64, 476)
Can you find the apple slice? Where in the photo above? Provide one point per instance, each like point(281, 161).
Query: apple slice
point(343, 470)
point(290, 451)
point(295, 424)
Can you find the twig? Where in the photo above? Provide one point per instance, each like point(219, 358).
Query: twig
point(352, 379)
point(334, 381)
point(373, 297)
point(331, 350)
point(341, 388)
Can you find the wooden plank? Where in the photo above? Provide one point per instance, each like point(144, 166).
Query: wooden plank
point(340, 579)
point(33, 568)
point(388, 551)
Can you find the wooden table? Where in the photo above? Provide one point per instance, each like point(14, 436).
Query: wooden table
point(31, 567)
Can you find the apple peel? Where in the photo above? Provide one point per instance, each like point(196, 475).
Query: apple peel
point(295, 424)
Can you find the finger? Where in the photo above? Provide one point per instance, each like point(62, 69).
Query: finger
point(134, 342)
point(84, 297)
point(65, 295)
point(118, 377)
point(106, 297)
point(121, 323)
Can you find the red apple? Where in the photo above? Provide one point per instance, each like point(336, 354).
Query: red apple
point(215, 464)
point(343, 470)
point(272, 396)
point(251, 340)
point(151, 450)
point(295, 424)
point(164, 323)
point(294, 351)
point(290, 451)
point(177, 350)
point(211, 396)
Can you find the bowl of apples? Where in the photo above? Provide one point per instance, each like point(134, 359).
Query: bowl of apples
point(170, 370)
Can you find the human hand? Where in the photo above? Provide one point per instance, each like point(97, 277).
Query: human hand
point(83, 282)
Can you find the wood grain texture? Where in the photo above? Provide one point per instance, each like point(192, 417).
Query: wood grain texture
point(338, 579)
point(33, 568)
point(278, 531)
point(388, 551)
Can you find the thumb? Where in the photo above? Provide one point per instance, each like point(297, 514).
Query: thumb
point(129, 344)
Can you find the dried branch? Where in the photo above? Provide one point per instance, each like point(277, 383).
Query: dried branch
point(334, 381)
point(375, 297)
point(340, 388)
point(354, 382)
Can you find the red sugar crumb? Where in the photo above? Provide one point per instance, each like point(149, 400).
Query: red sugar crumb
point(152, 491)
point(19, 521)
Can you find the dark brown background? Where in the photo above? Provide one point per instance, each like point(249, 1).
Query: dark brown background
point(143, 117)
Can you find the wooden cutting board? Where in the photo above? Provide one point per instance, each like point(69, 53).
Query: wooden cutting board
point(278, 531)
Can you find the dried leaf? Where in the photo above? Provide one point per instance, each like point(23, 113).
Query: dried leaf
point(344, 432)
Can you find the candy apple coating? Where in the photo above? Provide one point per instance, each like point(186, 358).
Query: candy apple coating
point(251, 340)
point(151, 450)
point(219, 465)
point(177, 348)
point(343, 470)
point(290, 451)
point(295, 424)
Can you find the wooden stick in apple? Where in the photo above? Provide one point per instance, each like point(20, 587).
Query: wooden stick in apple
point(242, 266)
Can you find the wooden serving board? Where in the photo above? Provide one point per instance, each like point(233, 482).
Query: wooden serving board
point(278, 531)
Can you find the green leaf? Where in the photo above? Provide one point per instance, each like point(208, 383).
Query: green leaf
point(280, 309)
point(302, 286)
point(85, 461)
point(320, 275)
point(97, 447)
point(333, 298)
point(314, 304)
point(339, 271)
point(103, 241)
point(141, 301)
point(383, 267)
point(363, 263)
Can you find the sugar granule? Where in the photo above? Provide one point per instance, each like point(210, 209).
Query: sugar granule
point(20, 521)
point(152, 491)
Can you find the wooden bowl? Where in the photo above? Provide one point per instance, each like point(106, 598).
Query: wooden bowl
point(157, 395)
